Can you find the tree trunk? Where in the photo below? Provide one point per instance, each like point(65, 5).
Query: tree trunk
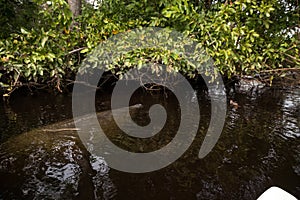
point(208, 4)
point(75, 6)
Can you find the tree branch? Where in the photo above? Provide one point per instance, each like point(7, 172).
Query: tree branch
point(76, 50)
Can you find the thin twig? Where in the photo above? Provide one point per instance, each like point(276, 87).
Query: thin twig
point(85, 84)
point(61, 129)
point(76, 50)
point(281, 69)
point(291, 57)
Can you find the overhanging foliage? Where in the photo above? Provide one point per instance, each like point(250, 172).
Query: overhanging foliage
point(242, 36)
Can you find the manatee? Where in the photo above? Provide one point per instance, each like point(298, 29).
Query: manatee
point(52, 163)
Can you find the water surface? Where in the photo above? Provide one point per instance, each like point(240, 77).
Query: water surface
point(259, 147)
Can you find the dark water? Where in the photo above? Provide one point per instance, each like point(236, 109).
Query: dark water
point(259, 148)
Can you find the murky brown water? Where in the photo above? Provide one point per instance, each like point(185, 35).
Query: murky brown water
point(259, 147)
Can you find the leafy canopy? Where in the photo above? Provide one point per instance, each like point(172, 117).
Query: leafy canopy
point(44, 45)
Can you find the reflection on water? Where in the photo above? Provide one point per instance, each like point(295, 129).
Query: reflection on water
point(259, 147)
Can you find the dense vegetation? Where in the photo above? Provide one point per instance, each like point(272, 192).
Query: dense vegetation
point(42, 43)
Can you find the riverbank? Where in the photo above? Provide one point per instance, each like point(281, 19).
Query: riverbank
point(236, 84)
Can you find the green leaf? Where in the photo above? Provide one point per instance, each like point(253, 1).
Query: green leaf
point(140, 64)
point(24, 31)
point(41, 72)
point(51, 55)
point(84, 50)
point(105, 21)
point(44, 40)
point(52, 73)
point(27, 72)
